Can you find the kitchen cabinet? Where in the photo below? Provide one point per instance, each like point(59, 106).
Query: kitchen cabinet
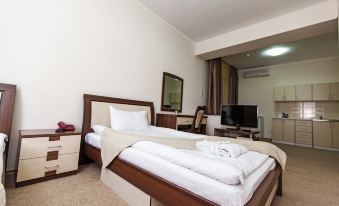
point(322, 134)
point(335, 91)
point(277, 129)
point(289, 93)
point(335, 134)
point(303, 92)
point(284, 93)
point(279, 93)
point(283, 130)
point(322, 91)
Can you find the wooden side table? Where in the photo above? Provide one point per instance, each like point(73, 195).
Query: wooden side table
point(46, 155)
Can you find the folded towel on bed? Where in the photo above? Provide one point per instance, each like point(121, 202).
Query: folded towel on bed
point(221, 148)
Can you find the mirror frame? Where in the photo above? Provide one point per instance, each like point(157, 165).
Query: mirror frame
point(163, 92)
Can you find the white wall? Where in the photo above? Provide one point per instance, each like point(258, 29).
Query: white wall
point(259, 91)
point(57, 50)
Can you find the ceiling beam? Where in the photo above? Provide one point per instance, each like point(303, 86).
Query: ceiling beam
point(308, 22)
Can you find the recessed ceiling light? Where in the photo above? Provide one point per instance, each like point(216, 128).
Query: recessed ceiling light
point(276, 51)
point(248, 54)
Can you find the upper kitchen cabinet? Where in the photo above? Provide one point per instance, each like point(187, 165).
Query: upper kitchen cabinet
point(284, 93)
point(335, 91)
point(303, 92)
point(322, 92)
point(289, 93)
point(279, 93)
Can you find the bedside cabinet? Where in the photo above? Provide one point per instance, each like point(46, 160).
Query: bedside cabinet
point(46, 155)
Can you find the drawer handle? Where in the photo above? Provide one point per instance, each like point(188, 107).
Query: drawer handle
point(55, 166)
point(54, 146)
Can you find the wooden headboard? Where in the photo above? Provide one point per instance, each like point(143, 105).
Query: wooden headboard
point(7, 100)
point(96, 111)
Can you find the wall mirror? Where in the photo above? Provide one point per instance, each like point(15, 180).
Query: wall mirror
point(172, 90)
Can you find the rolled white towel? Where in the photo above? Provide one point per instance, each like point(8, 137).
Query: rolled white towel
point(221, 148)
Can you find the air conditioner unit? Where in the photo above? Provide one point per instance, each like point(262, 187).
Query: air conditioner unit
point(256, 73)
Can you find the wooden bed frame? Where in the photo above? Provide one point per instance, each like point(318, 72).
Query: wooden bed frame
point(156, 187)
point(7, 101)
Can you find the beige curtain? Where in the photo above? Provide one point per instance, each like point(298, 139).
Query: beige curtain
point(214, 87)
point(225, 82)
point(233, 86)
point(222, 85)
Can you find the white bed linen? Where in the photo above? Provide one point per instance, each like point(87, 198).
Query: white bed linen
point(237, 168)
point(93, 139)
point(218, 192)
point(3, 139)
point(167, 132)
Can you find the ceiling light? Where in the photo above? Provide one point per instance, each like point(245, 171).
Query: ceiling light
point(276, 51)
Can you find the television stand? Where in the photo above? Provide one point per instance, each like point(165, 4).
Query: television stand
point(234, 133)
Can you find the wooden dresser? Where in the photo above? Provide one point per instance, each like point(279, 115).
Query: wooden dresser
point(46, 155)
point(178, 121)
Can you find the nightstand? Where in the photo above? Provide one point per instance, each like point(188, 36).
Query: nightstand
point(46, 155)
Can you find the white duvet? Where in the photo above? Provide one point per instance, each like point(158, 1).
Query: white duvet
point(206, 164)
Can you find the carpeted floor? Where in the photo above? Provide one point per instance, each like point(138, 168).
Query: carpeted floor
point(311, 178)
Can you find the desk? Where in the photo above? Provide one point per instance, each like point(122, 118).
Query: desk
point(252, 134)
point(178, 121)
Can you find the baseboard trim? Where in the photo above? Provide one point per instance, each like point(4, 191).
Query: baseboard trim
point(282, 142)
point(304, 145)
point(326, 148)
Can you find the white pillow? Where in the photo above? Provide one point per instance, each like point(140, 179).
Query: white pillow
point(98, 129)
point(128, 121)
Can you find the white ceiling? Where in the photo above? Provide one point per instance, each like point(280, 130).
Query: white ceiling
point(311, 48)
point(203, 19)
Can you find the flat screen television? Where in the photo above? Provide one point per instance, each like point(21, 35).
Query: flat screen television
point(240, 115)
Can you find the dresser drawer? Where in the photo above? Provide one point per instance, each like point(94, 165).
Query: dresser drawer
point(39, 146)
point(35, 168)
point(69, 144)
point(68, 162)
point(305, 135)
point(31, 169)
point(303, 123)
point(303, 138)
point(303, 129)
point(33, 147)
point(305, 141)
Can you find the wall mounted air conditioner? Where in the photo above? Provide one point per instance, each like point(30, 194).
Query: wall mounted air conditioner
point(256, 73)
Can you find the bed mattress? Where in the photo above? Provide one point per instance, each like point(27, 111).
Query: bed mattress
point(217, 191)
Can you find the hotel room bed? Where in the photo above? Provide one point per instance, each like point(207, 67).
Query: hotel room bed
point(170, 183)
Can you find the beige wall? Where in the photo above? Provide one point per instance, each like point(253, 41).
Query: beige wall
point(259, 90)
point(55, 51)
